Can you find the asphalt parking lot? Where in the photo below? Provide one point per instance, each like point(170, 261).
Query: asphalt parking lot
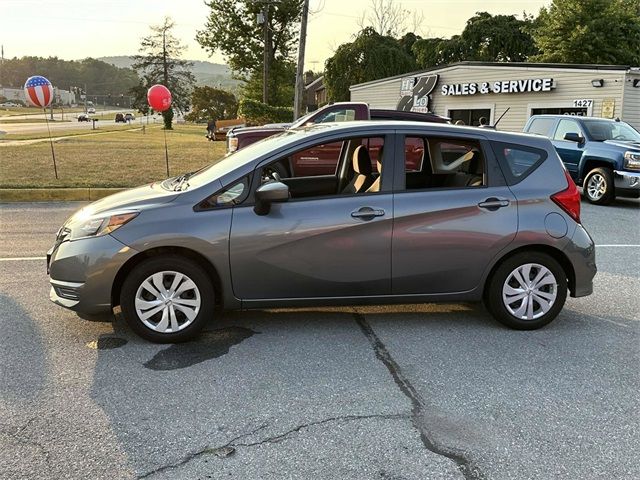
point(392, 393)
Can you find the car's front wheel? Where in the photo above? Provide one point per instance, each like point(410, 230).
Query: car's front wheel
point(598, 186)
point(527, 291)
point(167, 299)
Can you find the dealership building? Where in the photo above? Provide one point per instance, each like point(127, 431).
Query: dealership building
point(478, 92)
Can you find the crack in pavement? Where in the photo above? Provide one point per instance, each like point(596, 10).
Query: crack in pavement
point(418, 405)
point(274, 439)
point(194, 455)
point(345, 418)
point(25, 440)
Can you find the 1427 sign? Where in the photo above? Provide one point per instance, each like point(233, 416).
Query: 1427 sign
point(583, 102)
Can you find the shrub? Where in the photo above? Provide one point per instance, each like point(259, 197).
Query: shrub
point(258, 113)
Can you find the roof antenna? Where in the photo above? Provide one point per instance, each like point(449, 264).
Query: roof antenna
point(498, 121)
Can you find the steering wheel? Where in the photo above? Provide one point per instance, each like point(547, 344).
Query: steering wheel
point(619, 137)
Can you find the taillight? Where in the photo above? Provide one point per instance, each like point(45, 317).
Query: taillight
point(569, 199)
point(232, 144)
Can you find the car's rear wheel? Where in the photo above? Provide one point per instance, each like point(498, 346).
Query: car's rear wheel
point(527, 291)
point(167, 299)
point(598, 186)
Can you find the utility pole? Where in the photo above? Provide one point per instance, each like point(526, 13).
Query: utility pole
point(299, 93)
point(267, 54)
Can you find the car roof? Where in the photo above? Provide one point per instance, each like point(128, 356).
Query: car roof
point(409, 126)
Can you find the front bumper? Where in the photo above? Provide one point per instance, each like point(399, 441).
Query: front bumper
point(626, 183)
point(82, 272)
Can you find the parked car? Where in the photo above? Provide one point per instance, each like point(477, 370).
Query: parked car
point(83, 117)
point(238, 138)
point(319, 161)
point(120, 118)
point(603, 156)
point(91, 110)
point(129, 117)
point(483, 215)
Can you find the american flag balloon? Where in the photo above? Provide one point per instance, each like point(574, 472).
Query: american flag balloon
point(39, 91)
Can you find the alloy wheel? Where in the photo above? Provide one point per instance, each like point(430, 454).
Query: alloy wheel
point(167, 301)
point(529, 291)
point(596, 186)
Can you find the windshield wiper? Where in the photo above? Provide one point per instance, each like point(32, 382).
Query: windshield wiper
point(180, 183)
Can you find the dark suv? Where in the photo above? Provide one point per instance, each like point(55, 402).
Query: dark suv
point(601, 155)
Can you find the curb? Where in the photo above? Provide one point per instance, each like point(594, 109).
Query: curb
point(55, 194)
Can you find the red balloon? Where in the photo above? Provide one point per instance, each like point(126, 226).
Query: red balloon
point(159, 98)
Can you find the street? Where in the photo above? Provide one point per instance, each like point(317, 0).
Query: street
point(393, 392)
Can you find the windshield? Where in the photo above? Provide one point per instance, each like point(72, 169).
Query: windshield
point(302, 120)
point(601, 130)
point(241, 157)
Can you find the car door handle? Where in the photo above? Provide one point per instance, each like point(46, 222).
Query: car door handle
point(367, 213)
point(494, 203)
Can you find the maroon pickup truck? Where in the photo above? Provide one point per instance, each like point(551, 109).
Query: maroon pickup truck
point(321, 159)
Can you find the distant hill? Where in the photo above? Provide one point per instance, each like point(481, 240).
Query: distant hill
point(206, 73)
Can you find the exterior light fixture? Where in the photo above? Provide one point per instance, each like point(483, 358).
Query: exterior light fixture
point(597, 82)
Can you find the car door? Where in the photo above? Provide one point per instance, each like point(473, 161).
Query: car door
point(570, 152)
point(450, 222)
point(332, 245)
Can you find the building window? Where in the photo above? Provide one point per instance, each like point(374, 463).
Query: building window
point(470, 117)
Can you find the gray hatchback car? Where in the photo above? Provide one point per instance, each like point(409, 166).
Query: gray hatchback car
point(368, 212)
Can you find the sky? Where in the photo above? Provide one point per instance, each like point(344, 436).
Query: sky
point(76, 29)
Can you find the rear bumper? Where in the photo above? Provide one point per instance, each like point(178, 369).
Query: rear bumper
point(581, 252)
point(627, 184)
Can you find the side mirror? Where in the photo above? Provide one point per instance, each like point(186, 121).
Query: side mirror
point(269, 193)
point(573, 137)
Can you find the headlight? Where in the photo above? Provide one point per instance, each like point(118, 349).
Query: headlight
point(632, 160)
point(83, 225)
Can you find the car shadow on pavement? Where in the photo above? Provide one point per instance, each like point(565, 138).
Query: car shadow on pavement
point(21, 345)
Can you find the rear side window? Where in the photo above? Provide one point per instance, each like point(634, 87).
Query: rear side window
point(518, 161)
point(541, 126)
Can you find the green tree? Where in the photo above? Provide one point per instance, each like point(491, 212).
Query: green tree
point(589, 31)
point(159, 62)
point(103, 80)
point(485, 38)
point(208, 103)
point(369, 57)
point(232, 29)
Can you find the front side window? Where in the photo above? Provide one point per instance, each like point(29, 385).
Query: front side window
point(566, 126)
point(345, 167)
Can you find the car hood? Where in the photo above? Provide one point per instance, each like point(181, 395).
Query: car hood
point(623, 144)
point(133, 199)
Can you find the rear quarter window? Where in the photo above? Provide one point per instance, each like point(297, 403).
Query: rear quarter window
point(518, 161)
point(541, 126)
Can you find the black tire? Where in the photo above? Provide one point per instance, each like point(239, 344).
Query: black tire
point(602, 196)
point(494, 291)
point(204, 292)
point(275, 168)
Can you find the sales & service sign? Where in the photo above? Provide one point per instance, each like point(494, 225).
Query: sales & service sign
point(499, 86)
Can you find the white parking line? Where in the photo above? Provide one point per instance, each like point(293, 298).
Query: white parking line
point(20, 259)
point(630, 246)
